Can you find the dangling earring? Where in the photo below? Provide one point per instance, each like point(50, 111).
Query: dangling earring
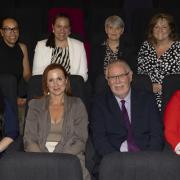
point(48, 93)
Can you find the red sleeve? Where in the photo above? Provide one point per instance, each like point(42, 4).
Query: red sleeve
point(172, 120)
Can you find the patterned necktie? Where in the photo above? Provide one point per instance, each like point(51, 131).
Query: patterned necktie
point(132, 147)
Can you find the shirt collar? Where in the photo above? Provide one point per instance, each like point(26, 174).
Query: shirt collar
point(127, 98)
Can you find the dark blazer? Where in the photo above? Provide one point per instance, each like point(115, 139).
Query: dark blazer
point(127, 51)
point(109, 131)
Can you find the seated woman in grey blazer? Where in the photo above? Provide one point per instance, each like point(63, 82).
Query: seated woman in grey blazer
point(57, 122)
point(61, 49)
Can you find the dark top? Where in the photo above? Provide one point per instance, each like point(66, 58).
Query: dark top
point(10, 122)
point(11, 59)
point(109, 131)
point(126, 51)
point(110, 56)
point(11, 125)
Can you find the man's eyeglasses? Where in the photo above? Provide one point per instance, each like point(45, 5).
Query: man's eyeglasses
point(120, 76)
point(9, 30)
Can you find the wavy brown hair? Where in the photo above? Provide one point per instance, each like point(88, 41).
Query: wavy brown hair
point(45, 74)
point(169, 18)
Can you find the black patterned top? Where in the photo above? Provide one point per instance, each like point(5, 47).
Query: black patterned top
point(61, 56)
point(109, 55)
point(158, 68)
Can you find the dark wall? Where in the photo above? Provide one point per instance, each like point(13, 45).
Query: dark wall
point(33, 16)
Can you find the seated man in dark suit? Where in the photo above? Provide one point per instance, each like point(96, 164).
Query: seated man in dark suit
point(124, 119)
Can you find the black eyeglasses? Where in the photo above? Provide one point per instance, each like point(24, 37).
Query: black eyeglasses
point(120, 76)
point(9, 30)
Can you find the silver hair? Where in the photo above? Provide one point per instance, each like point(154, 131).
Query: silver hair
point(117, 61)
point(114, 21)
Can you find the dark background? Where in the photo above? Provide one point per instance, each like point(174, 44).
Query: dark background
point(34, 16)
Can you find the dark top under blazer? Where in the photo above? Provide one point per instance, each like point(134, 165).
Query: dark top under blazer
point(126, 51)
point(109, 131)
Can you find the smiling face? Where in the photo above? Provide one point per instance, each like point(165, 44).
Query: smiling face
point(114, 32)
point(61, 28)
point(161, 30)
point(119, 78)
point(56, 82)
point(10, 32)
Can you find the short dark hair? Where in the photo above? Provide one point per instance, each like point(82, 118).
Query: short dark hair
point(5, 18)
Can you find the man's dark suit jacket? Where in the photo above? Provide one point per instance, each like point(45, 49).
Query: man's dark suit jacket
point(109, 131)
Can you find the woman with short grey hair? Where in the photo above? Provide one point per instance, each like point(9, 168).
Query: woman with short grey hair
point(115, 21)
point(115, 46)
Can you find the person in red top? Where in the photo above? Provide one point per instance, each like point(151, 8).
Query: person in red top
point(172, 122)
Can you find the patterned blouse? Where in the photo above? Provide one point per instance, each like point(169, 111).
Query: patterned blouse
point(110, 55)
point(158, 68)
point(61, 56)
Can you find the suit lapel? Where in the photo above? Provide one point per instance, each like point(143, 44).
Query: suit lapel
point(66, 121)
point(135, 107)
point(45, 120)
point(114, 108)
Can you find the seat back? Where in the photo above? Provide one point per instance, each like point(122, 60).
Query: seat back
point(171, 83)
point(142, 82)
point(141, 166)
point(34, 88)
point(40, 166)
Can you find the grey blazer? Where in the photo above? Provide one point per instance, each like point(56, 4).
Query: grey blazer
point(74, 133)
point(74, 129)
